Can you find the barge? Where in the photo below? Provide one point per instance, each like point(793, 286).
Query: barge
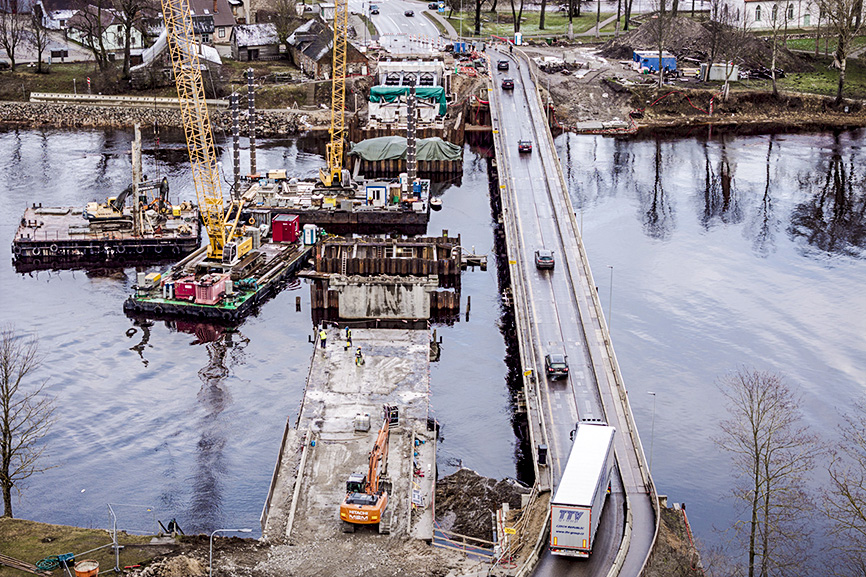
point(196, 288)
point(147, 230)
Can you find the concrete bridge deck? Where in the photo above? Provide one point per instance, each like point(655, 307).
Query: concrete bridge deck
point(323, 448)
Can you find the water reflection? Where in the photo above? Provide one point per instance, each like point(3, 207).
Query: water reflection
point(721, 202)
point(225, 349)
point(765, 224)
point(658, 217)
point(832, 218)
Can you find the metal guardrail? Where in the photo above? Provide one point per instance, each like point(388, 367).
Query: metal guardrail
point(614, 364)
point(114, 100)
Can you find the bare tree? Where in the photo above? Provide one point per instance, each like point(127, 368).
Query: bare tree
point(284, 20)
point(13, 29)
point(728, 38)
point(91, 21)
point(660, 27)
point(845, 499)
point(772, 455)
point(130, 14)
point(844, 18)
point(26, 414)
point(517, 15)
point(38, 36)
point(541, 16)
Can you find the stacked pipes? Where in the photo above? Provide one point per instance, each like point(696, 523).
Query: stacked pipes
point(411, 165)
point(251, 126)
point(236, 141)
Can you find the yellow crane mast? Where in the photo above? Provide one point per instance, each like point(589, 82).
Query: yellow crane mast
point(338, 96)
point(196, 125)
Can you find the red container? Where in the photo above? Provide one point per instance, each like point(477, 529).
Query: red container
point(184, 289)
point(286, 227)
point(210, 289)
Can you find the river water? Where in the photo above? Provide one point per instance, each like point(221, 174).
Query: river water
point(726, 252)
point(712, 268)
point(185, 421)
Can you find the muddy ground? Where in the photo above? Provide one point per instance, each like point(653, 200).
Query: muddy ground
point(601, 86)
point(465, 501)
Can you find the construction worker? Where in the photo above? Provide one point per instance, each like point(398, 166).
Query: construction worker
point(323, 337)
point(359, 357)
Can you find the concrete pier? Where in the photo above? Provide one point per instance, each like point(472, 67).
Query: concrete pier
point(323, 447)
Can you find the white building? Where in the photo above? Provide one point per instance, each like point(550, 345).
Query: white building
point(769, 14)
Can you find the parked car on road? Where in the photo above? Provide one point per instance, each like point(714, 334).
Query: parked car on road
point(508, 84)
point(556, 366)
point(544, 258)
point(502, 65)
point(409, 13)
point(524, 146)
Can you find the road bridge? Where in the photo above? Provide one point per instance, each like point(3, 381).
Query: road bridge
point(558, 311)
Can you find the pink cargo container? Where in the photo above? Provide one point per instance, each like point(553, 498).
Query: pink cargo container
point(286, 228)
point(210, 289)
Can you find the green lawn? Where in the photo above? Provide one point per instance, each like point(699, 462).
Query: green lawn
point(30, 542)
point(809, 44)
point(822, 81)
point(500, 24)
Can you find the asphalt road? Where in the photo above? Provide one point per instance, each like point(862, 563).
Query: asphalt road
point(398, 33)
point(555, 310)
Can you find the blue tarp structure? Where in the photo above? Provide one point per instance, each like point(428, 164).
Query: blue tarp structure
point(650, 59)
point(392, 93)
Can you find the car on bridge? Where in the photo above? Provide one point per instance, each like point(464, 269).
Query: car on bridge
point(544, 258)
point(508, 84)
point(556, 366)
point(502, 65)
point(524, 146)
point(374, 9)
point(409, 13)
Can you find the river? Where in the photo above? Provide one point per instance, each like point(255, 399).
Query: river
point(713, 268)
point(726, 252)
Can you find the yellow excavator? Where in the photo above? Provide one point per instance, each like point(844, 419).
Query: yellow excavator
point(367, 495)
point(220, 222)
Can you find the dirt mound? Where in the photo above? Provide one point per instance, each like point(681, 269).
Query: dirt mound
point(465, 501)
point(693, 40)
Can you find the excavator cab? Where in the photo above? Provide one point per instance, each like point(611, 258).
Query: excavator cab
point(357, 483)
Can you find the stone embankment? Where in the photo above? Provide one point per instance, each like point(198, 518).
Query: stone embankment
point(269, 123)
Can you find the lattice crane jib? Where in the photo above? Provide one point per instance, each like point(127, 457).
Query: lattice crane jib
point(196, 122)
point(338, 96)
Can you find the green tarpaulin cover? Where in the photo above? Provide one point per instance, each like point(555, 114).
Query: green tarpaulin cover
point(391, 93)
point(394, 147)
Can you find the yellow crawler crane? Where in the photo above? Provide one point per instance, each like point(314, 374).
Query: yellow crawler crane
point(333, 175)
point(196, 124)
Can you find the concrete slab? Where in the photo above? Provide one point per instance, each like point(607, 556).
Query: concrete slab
point(325, 449)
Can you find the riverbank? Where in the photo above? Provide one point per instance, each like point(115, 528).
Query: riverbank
point(269, 123)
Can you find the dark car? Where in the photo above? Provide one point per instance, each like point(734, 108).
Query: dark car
point(544, 258)
point(524, 146)
point(502, 65)
point(374, 9)
point(433, 6)
point(508, 84)
point(556, 366)
point(409, 13)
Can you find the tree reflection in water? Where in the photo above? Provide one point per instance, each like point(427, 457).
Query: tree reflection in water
point(832, 220)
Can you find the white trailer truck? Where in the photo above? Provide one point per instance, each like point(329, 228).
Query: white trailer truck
point(579, 498)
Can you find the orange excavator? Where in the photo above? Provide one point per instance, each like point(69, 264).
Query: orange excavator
point(367, 495)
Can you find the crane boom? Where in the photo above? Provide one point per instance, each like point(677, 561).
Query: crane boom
point(196, 122)
point(338, 96)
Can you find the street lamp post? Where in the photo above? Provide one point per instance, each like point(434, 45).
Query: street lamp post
point(210, 556)
point(652, 431)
